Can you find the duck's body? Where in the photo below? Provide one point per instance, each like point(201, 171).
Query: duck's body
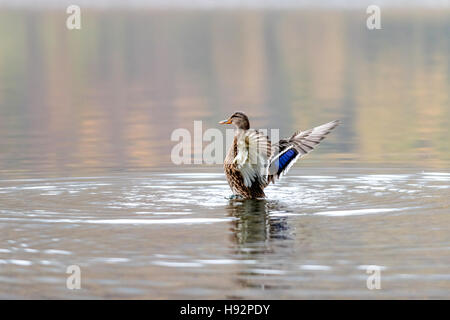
point(252, 162)
point(235, 178)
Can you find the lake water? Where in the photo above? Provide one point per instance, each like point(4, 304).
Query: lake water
point(86, 176)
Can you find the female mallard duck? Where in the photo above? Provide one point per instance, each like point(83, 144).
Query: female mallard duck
point(252, 162)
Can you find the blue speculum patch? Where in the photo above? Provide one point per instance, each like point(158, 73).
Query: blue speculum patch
point(285, 158)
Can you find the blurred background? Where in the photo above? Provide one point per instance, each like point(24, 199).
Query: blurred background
point(108, 96)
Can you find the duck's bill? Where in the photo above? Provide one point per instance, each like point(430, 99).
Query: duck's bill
point(225, 121)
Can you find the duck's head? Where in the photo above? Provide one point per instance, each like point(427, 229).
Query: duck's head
point(239, 120)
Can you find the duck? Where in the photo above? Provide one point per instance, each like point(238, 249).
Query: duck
point(252, 162)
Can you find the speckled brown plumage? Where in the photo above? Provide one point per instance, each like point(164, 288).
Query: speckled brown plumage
point(235, 179)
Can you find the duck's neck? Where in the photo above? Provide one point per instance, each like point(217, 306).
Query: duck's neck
point(239, 131)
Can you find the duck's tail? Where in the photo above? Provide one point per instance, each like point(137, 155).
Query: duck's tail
point(287, 151)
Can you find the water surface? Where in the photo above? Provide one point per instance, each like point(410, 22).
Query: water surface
point(176, 235)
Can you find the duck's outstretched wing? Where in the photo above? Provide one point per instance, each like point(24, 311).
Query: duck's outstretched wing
point(252, 156)
point(287, 151)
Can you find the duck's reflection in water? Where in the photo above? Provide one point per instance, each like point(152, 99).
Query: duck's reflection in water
point(259, 237)
point(254, 227)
